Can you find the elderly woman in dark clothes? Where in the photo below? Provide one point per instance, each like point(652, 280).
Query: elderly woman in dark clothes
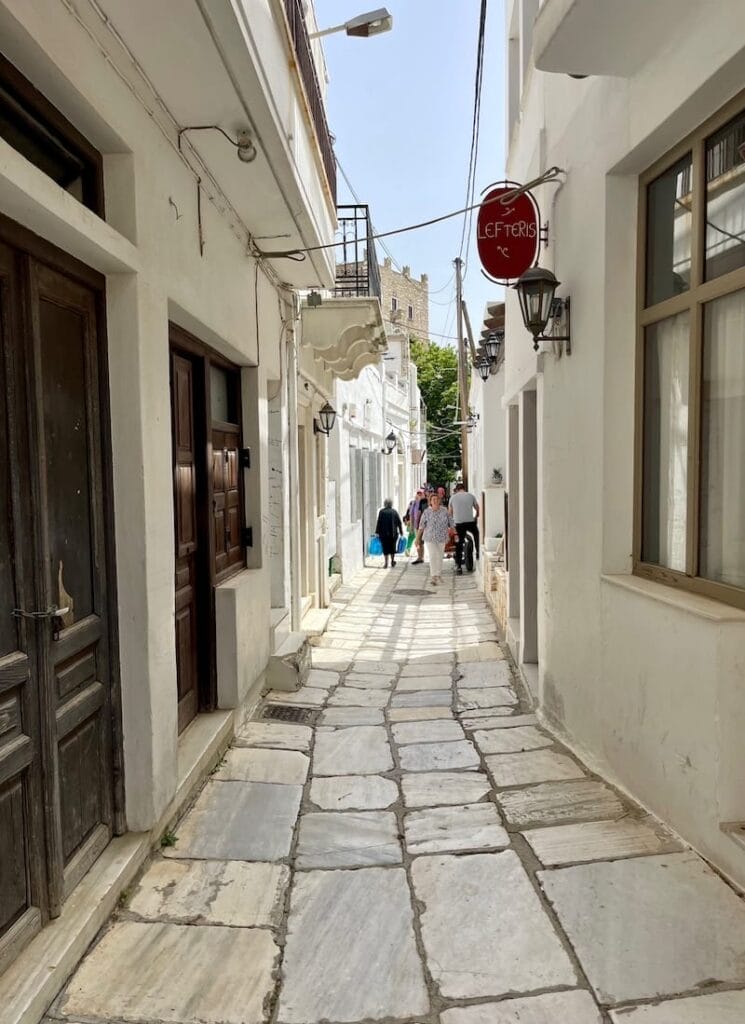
point(389, 528)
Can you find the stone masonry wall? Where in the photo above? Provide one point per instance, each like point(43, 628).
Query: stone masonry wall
point(408, 292)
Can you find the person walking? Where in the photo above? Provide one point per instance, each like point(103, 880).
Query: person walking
point(422, 503)
point(389, 528)
point(464, 510)
point(434, 528)
point(411, 520)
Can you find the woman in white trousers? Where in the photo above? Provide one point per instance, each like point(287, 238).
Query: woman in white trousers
point(435, 525)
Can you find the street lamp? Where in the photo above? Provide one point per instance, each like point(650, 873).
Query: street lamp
point(390, 443)
point(364, 25)
point(326, 419)
point(536, 291)
point(493, 344)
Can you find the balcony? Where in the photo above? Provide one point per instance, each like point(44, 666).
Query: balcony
point(358, 272)
point(307, 69)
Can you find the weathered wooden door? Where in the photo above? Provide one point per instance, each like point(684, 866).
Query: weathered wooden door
point(185, 487)
point(56, 756)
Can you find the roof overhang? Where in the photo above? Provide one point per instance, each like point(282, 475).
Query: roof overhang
point(603, 37)
point(347, 334)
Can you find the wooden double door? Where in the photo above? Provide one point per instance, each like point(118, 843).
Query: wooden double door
point(56, 694)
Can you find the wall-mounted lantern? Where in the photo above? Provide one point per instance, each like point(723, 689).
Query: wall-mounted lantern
point(326, 419)
point(493, 344)
point(536, 290)
point(390, 444)
point(484, 369)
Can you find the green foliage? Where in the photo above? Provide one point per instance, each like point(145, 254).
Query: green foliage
point(168, 839)
point(437, 368)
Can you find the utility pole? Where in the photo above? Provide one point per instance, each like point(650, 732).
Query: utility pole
point(462, 371)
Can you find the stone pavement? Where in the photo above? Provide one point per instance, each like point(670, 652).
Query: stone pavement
point(426, 853)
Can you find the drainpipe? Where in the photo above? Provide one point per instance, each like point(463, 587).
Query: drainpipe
point(294, 474)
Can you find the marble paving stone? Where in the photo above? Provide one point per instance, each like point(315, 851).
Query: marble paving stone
point(431, 682)
point(349, 696)
point(351, 716)
point(430, 789)
point(328, 660)
point(595, 840)
point(353, 792)
point(489, 651)
point(427, 757)
point(306, 696)
point(278, 736)
point(239, 821)
point(415, 669)
point(437, 659)
point(348, 840)
point(469, 699)
point(371, 664)
point(359, 750)
point(173, 973)
point(248, 764)
point(717, 1008)
point(419, 714)
point(423, 699)
point(505, 942)
point(380, 968)
point(369, 681)
point(441, 829)
point(552, 1008)
point(427, 732)
point(496, 718)
point(650, 926)
point(485, 673)
point(534, 766)
point(322, 679)
point(212, 892)
point(556, 802)
point(511, 741)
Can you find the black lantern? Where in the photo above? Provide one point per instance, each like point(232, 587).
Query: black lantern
point(493, 344)
point(536, 290)
point(484, 369)
point(390, 444)
point(326, 419)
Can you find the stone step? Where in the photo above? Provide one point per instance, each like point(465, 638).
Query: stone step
point(315, 621)
point(289, 665)
point(279, 627)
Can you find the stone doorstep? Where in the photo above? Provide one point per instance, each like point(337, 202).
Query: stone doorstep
point(38, 975)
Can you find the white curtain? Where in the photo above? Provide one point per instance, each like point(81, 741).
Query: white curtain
point(722, 546)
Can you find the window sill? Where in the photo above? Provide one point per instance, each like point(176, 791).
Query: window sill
point(693, 604)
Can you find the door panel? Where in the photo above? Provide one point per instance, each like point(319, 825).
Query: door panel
point(76, 704)
point(186, 537)
point(226, 499)
point(22, 876)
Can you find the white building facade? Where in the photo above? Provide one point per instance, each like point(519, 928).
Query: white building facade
point(625, 479)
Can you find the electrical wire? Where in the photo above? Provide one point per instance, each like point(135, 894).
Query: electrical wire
point(476, 120)
point(359, 202)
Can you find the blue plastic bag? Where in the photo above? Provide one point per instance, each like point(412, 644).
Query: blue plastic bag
point(374, 546)
point(401, 545)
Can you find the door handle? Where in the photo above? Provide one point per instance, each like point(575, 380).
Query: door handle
point(50, 613)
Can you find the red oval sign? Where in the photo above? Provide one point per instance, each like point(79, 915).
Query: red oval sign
point(507, 235)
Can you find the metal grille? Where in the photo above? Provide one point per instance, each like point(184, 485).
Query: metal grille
point(289, 713)
point(358, 272)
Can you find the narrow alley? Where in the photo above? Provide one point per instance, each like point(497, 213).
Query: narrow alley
point(420, 850)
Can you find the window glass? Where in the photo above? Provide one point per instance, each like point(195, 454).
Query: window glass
point(722, 543)
point(725, 199)
point(665, 442)
point(223, 396)
point(411, 312)
point(669, 233)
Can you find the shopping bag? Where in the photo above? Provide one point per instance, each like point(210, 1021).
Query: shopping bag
point(374, 546)
point(401, 545)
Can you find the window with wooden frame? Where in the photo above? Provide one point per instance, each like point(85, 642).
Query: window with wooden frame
point(227, 512)
point(39, 132)
point(690, 366)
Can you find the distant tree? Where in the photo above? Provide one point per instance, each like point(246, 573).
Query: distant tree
point(437, 370)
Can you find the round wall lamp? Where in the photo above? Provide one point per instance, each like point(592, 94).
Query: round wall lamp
point(536, 291)
point(390, 443)
point(326, 419)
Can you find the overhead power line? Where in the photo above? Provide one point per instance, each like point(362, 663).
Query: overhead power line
point(475, 124)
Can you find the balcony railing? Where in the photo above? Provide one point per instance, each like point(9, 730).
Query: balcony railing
point(307, 68)
point(357, 269)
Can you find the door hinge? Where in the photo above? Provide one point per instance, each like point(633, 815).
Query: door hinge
point(245, 458)
point(247, 536)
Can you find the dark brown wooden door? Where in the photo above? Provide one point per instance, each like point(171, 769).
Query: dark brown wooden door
point(56, 791)
point(226, 499)
point(185, 486)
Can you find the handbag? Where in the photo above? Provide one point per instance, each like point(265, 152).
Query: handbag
point(401, 545)
point(374, 546)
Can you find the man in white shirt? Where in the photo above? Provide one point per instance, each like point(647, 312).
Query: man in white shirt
point(465, 510)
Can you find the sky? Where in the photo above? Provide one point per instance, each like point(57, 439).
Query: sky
point(400, 106)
